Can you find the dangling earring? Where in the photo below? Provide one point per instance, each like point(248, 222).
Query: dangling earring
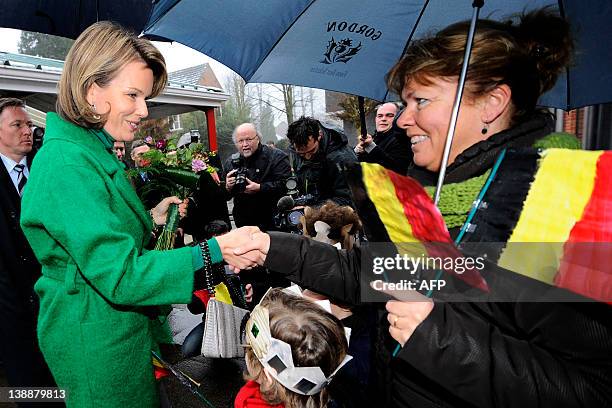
point(485, 129)
point(95, 116)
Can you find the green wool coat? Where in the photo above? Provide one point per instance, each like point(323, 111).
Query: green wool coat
point(88, 228)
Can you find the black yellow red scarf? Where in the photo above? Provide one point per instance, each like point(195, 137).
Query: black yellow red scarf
point(558, 198)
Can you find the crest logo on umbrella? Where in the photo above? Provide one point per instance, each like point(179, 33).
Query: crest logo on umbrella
point(341, 51)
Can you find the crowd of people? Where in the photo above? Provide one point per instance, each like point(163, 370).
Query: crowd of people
point(82, 289)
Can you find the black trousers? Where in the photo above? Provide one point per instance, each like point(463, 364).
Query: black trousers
point(22, 360)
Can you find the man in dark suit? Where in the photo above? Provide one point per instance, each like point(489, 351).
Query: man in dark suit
point(390, 147)
point(21, 358)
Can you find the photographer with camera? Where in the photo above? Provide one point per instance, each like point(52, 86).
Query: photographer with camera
point(319, 155)
point(256, 178)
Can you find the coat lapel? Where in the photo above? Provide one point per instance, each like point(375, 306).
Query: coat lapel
point(9, 187)
point(113, 168)
point(128, 193)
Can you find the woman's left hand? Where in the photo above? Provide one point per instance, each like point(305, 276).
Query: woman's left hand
point(183, 208)
point(160, 211)
point(404, 317)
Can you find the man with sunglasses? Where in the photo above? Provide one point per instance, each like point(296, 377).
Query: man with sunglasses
point(319, 156)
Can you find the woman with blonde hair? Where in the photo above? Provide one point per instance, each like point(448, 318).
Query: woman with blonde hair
point(88, 228)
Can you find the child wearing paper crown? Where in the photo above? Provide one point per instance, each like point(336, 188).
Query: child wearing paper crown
point(294, 349)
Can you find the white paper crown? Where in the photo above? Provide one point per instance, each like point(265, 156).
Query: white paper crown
point(275, 355)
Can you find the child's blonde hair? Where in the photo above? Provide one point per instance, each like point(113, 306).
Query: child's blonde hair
point(316, 338)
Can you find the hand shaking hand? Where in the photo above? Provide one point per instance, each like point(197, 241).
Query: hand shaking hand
point(244, 248)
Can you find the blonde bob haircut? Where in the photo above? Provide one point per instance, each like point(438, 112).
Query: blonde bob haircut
point(97, 56)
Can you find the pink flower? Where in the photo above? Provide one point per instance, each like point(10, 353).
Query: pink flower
point(161, 144)
point(148, 140)
point(198, 165)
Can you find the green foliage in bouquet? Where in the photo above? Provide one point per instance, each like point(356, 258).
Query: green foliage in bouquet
point(173, 171)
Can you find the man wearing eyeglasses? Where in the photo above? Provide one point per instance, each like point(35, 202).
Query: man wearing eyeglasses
point(255, 178)
point(319, 156)
point(389, 147)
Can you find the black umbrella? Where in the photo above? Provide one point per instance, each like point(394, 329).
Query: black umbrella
point(348, 47)
point(68, 19)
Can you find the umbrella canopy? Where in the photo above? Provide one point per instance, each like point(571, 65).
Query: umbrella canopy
point(68, 18)
point(348, 47)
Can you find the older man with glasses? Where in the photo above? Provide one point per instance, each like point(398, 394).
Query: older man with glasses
point(255, 178)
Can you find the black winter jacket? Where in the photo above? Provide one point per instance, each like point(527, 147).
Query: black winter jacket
point(392, 151)
point(270, 168)
point(484, 354)
point(322, 176)
point(467, 354)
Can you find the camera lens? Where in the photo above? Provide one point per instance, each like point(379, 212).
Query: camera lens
point(291, 184)
point(294, 217)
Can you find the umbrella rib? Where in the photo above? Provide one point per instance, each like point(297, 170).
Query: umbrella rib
point(414, 27)
point(279, 38)
point(160, 14)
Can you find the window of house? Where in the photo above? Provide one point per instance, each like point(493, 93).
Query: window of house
point(175, 122)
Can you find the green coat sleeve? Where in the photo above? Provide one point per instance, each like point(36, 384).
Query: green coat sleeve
point(75, 213)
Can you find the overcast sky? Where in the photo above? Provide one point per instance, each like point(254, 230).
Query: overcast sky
point(177, 55)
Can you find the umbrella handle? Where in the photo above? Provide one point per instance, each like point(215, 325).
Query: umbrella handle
point(477, 4)
point(453, 122)
point(361, 103)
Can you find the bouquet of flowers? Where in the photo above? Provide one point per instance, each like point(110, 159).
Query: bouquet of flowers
point(174, 171)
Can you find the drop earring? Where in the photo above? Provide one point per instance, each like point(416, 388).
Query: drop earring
point(95, 116)
point(485, 129)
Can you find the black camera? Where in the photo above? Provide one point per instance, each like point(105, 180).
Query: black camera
point(37, 137)
point(291, 184)
point(288, 217)
point(240, 174)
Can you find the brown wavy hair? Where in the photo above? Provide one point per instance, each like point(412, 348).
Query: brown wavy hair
point(97, 56)
point(316, 339)
point(526, 52)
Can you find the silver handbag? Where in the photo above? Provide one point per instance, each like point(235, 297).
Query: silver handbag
point(222, 334)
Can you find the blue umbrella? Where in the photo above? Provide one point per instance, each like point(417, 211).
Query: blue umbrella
point(348, 46)
point(69, 18)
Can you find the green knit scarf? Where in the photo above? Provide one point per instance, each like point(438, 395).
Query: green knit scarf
point(456, 198)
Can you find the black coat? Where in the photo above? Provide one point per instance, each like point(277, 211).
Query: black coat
point(470, 354)
point(322, 176)
point(149, 197)
point(270, 168)
point(19, 270)
point(207, 203)
point(392, 151)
